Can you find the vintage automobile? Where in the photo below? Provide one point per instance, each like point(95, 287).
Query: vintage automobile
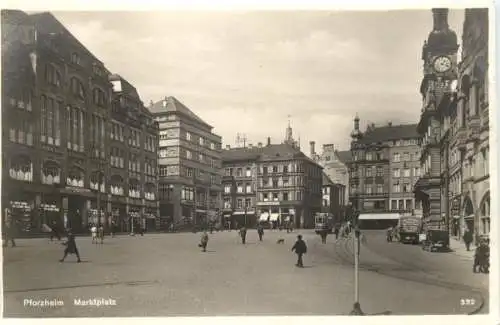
point(436, 241)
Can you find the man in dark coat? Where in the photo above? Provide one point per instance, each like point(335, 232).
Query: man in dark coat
point(243, 234)
point(260, 231)
point(300, 249)
point(70, 247)
point(336, 230)
point(323, 233)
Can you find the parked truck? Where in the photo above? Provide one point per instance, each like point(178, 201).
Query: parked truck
point(408, 229)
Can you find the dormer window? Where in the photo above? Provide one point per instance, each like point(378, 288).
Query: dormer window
point(75, 58)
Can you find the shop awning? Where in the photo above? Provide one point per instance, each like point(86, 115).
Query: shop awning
point(456, 217)
point(379, 216)
point(264, 216)
point(274, 216)
point(471, 216)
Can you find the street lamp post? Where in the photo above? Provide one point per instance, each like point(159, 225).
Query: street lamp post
point(356, 243)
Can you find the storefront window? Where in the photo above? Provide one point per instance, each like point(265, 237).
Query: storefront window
point(21, 169)
point(75, 178)
point(51, 173)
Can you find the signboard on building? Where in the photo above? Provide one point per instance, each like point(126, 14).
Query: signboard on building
point(274, 203)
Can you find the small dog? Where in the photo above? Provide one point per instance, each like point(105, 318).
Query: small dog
point(280, 241)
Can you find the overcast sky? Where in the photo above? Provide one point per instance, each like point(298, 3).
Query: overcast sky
point(247, 71)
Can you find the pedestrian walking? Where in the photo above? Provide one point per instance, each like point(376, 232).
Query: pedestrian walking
point(336, 231)
point(204, 241)
point(260, 231)
point(112, 229)
point(71, 247)
point(300, 249)
point(101, 233)
point(323, 233)
point(243, 234)
point(468, 239)
point(481, 257)
point(93, 231)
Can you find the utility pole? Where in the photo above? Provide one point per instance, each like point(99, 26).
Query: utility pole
point(356, 241)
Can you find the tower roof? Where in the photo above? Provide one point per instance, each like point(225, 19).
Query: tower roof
point(442, 38)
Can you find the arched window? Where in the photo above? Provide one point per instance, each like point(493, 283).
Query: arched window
point(77, 88)
point(134, 188)
point(75, 177)
point(99, 97)
point(21, 168)
point(52, 75)
point(51, 173)
point(97, 181)
point(485, 214)
point(150, 191)
point(116, 186)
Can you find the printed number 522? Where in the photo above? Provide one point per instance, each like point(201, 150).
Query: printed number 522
point(467, 302)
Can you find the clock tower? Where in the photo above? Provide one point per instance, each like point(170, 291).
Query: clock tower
point(439, 54)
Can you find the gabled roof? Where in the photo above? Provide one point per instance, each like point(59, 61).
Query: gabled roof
point(46, 22)
point(388, 133)
point(273, 152)
point(172, 104)
point(344, 156)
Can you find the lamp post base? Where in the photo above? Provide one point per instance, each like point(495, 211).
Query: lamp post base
point(356, 310)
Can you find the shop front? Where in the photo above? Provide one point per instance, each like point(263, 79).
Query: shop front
point(21, 218)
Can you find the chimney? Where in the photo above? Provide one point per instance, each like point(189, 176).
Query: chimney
point(259, 144)
point(311, 144)
point(390, 123)
point(250, 146)
point(268, 141)
point(228, 146)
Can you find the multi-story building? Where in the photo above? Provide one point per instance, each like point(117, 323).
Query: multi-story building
point(334, 164)
point(333, 198)
point(133, 142)
point(440, 74)
point(189, 164)
point(462, 118)
point(56, 113)
point(383, 167)
point(277, 181)
point(404, 155)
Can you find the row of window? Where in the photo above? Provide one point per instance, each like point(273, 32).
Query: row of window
point(53, 77)
point(406, 172)
point(407, 156)
point(23, 101)
point(21, 131)
point(97, 136)
point(201, 141)
point(240, 203)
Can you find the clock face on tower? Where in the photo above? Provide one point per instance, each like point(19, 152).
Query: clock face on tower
point(442, 64)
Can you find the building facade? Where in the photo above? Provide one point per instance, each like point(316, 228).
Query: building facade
point(333, 198)
point(133, 159)
point(189, 165)
point(383, 168)
point(57, 101)
point(277, 181)
point(462, 114)
point(334, 164)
